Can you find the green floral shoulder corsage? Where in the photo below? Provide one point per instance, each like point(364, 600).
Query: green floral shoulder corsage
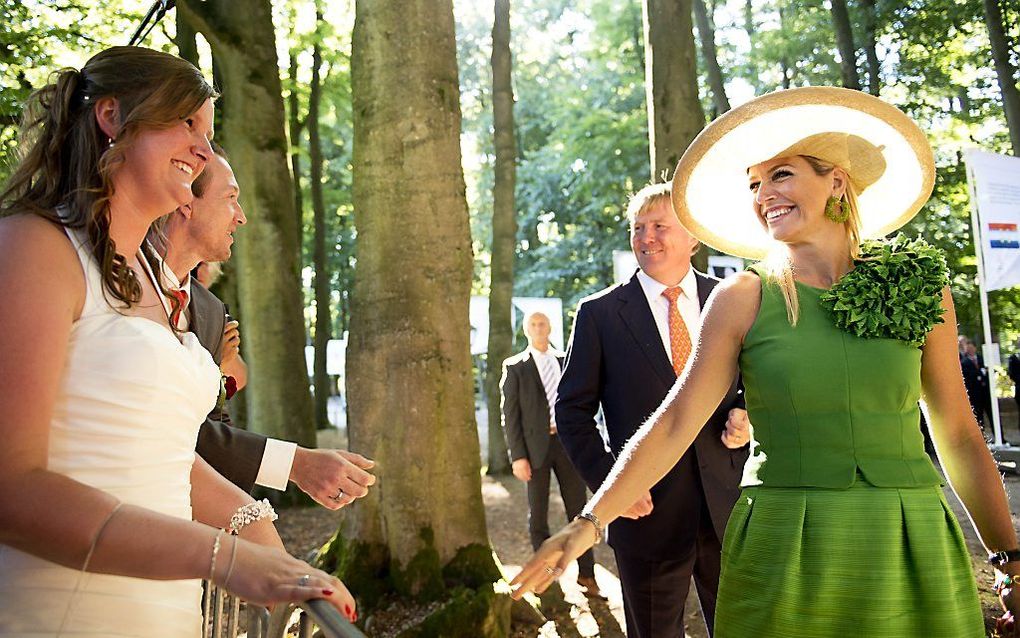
point(893, 292)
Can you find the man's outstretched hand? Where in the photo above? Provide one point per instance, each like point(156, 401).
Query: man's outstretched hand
point(334, 478)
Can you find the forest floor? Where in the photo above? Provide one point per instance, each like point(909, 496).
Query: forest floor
point(305, 529)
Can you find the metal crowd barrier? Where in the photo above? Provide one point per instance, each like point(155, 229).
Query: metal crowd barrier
point(221, 612)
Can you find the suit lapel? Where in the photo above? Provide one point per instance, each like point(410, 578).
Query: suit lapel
point(705, 286)
point(531, 369)
point(637, 316)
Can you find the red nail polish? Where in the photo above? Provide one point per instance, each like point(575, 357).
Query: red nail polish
point(328, 592)
point(347, 610)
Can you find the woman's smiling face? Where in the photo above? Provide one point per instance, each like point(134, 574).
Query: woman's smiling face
point(789, 196)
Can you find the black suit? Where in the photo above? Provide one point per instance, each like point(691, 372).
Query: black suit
point(526, 424)
point(617, 360)
point(975, 379)
point(233, 452)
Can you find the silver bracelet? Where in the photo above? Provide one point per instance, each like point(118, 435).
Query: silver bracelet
point(594, 520)
point(230, 565)
point(215, 550)
point(248, 514)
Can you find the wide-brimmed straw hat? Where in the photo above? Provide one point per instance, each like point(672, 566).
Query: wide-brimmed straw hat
point(886, 155)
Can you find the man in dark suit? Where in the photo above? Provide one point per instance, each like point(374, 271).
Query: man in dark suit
point(203, 231)
point(629, 344)
point(975, 380)
point(528, 388)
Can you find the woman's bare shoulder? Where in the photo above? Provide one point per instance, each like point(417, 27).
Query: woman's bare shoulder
point(735, 301)
point(36, 251)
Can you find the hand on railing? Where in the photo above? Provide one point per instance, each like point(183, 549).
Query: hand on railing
point(267, 575)
point(222, 614)
point(321, 614)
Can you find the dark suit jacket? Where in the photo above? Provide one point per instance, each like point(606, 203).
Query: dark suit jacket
point(975, 377)
point(233, 452)
point(616, 358)
point(525, 409)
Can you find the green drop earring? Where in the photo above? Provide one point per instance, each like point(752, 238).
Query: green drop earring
point(837, 210)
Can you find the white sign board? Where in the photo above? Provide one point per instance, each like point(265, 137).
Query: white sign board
point(336, 357)
point(995, 182)
point(722, 266)
point(520, 308)
point(624, 266)
point(549, 306)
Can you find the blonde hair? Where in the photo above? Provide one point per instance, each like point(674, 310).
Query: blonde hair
point(777, 266)
point(650, 195)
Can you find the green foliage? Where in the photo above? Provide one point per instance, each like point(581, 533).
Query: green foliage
point(893, 292)
point(582, 134)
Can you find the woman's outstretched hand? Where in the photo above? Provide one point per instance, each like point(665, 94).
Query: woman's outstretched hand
point(553, 557)
point(1006, 626)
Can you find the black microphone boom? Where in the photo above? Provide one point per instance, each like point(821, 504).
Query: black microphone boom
point(154, 14)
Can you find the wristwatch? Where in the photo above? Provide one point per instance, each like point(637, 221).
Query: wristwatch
point(998, 559)
point(594, 520)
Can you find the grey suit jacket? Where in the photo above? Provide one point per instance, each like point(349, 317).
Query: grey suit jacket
point(233, 452)
point(525, 409)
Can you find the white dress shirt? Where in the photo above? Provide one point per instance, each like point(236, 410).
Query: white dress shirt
point(278, 457)
point(687, 302)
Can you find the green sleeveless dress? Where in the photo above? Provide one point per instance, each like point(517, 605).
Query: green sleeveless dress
point(842, 528)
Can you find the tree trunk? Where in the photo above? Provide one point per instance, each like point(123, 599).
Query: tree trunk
point(268, 286)
point(187, 43)
point(504, 231)
point(410, 387)
point(845, 43)
point(784, 60)
point(671, 83)
point(1004, 70)
point(294, 127)
point(323, 321)
point(715, 77)
point(671, 89)
point(870, 51)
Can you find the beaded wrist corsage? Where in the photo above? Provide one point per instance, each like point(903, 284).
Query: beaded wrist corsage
point(248, 514)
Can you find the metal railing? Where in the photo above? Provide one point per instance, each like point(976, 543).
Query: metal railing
point(221, 612)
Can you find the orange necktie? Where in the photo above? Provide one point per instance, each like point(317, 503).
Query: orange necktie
point(679, 338)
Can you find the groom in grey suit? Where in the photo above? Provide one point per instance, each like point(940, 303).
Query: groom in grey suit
point(203, 231)
point(528, 391)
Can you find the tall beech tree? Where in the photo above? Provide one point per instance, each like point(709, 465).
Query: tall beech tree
point(410, 386)
point(1004, 70)
point(845, 42)
point(706, 34)
point(323, 317)
point(265, 260)
point(671, 88)
point(504, 230)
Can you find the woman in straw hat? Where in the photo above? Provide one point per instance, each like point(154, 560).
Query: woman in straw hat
point(842, 528)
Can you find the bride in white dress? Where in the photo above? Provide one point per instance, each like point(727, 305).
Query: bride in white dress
point(108, 520)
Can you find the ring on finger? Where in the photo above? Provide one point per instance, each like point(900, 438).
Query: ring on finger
point(339, 494)
point(304, 580)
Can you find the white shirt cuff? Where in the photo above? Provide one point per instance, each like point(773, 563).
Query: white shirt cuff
point(277, 460)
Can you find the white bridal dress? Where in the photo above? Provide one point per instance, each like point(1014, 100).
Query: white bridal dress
point(126, 419)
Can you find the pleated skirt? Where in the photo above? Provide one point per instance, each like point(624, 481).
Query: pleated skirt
point(865, 561)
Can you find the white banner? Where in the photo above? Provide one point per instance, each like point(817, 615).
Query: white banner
point(995, 182)
point(520, 307)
